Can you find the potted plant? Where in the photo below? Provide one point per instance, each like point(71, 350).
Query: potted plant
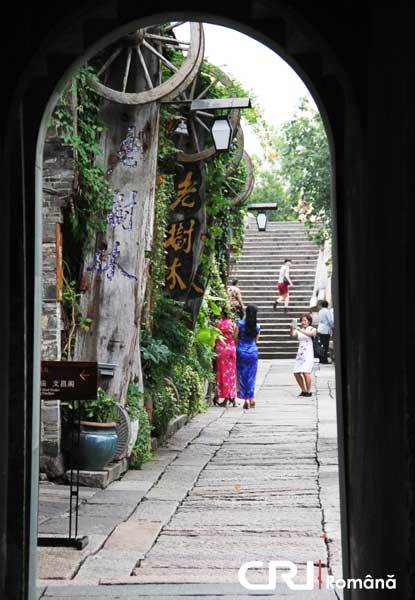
point(98, 435)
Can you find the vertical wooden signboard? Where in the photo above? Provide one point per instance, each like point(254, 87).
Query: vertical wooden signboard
point(184, 234)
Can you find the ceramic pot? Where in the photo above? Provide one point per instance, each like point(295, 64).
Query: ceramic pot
point(97, 446)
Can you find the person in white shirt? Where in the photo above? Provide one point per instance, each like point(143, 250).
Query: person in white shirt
point(284, 281)
point(304, 361)
point(324, 330)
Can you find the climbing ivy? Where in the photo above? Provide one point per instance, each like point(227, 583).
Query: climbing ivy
point(78, 123)
point(72, 317)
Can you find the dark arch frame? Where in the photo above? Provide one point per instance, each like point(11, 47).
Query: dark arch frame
point(306, 37)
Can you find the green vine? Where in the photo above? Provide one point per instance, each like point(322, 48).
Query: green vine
point(78, 123)
point(72, 317)
point(164, 193)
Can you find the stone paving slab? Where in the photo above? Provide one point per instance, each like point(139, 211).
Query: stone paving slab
point(131, 485)
point(249, 519)
point(97, 567)
point(145, 477)
point(112, 497)
point(250, 491)
point(277, 470)
point(196, 455)
point(63, 563)
point(211, 591)
point(230, 486)
point(248, 502)
point(230, 551)
point(135, 535)
point(155, 510)
point(86, 525)
point(96, 511)
point(206, 576)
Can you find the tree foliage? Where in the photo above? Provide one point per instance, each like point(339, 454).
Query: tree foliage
point(294, 171)
point(305, 168)
point(269, 187)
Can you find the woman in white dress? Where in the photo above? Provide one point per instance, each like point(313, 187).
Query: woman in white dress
point(304, 360)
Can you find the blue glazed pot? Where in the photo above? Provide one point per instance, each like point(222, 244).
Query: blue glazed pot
point(97, 445)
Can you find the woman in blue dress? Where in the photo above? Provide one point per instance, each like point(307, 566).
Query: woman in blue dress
point(246, 335)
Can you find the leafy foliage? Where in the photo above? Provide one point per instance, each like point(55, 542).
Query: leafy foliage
point(165, 407)
point(294, 172)
point(305, 166)
point(78, 123)
point(72, 317)
point(134, 401)
point(101, 410)
point(269, 187)
point(141, 452)
point(190, 383)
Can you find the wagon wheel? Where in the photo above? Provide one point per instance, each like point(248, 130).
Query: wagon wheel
point(198, 123)
point(123, 433)
point(249, 182)
point(237, 154)
point(132, 51)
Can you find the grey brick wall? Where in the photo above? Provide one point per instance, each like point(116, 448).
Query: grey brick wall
point(58, 183)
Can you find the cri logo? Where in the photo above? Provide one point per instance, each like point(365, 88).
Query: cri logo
point(288, 574)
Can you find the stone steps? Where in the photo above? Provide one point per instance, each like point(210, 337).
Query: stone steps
point(257, 270)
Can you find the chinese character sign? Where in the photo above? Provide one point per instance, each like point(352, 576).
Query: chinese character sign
point(179, 245)
point(183, 231)
point(68, 380)
point(189, 191)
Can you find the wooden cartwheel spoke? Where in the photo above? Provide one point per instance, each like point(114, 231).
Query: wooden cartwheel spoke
point(137, 45)
point(238, 153)
point(249, 183)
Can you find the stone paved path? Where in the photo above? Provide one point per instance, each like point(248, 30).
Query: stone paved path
point(231, 486)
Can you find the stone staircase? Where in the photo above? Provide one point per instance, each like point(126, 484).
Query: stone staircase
point(257, 270)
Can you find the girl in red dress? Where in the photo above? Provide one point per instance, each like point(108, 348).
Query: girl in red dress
point(225, 350)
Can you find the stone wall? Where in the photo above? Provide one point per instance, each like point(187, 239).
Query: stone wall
point(58, 182)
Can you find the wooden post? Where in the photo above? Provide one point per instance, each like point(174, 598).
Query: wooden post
point(116, 272)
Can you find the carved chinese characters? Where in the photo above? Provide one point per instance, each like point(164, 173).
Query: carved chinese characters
point(182, 240)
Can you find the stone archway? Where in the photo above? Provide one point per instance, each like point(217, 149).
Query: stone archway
point(301, 34)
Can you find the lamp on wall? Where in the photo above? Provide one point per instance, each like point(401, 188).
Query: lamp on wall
point(261, 221)
point(222, 133)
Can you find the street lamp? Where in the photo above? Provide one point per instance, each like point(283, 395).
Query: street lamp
point(221, 129)
point(221, 133)
point(261, 221)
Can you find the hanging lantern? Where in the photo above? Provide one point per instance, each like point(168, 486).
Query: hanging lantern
point(261, 220)
point(222, 133)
